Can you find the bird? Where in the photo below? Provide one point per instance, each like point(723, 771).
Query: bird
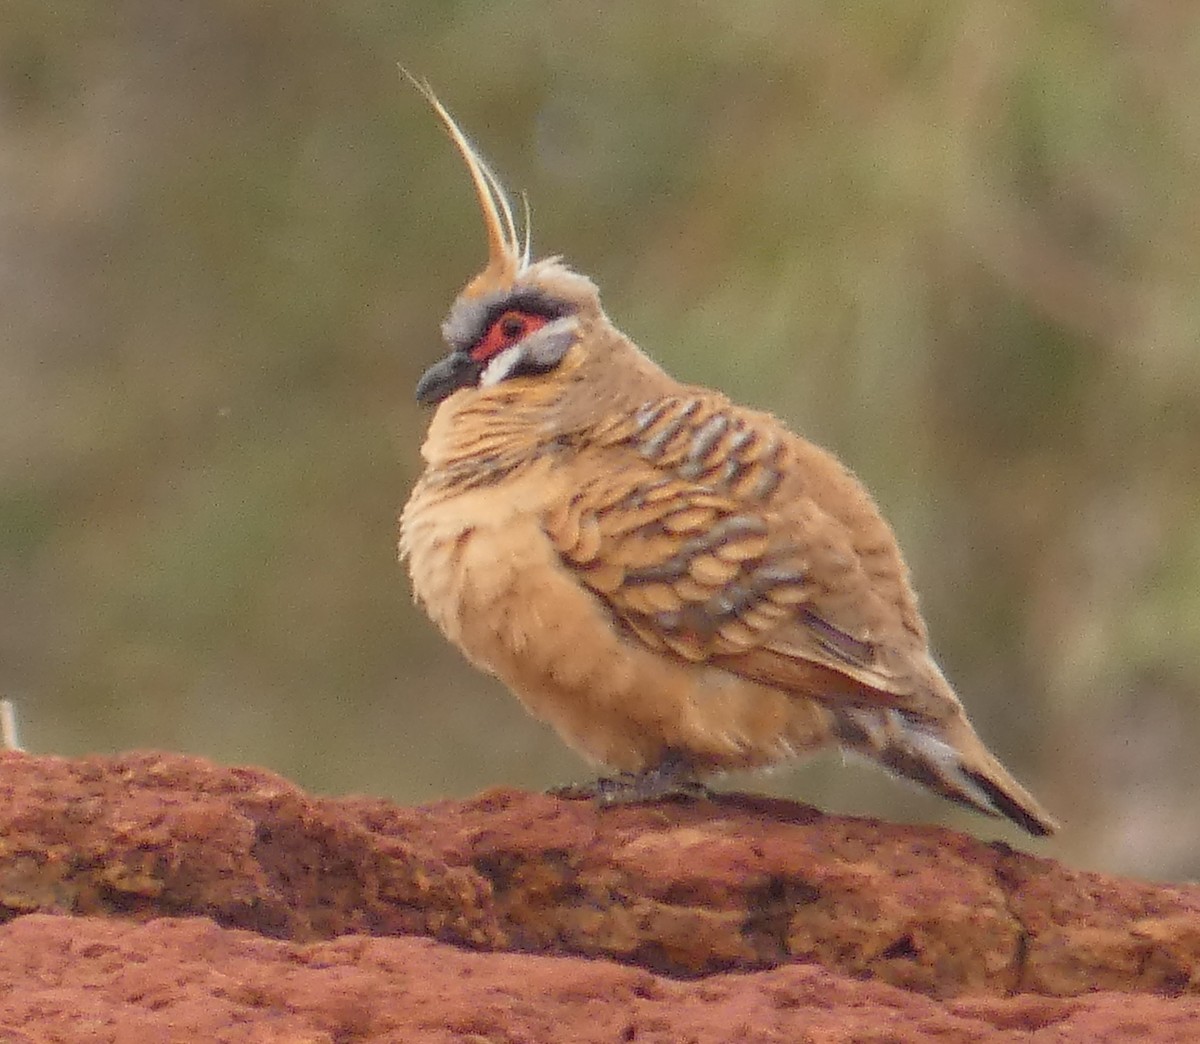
point(679, 585)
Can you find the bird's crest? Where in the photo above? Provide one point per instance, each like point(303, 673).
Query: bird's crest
point(508, 249)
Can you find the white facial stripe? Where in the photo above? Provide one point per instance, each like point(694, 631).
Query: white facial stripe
point(501, 366)
point(543, 348)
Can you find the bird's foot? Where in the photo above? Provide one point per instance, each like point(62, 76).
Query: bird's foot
point(670, 780)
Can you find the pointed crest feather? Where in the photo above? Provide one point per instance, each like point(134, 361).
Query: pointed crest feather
point(508, 250)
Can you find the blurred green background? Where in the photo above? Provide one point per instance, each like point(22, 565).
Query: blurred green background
point(959, 243)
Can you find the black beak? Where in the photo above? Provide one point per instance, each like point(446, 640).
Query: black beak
point(457, 370)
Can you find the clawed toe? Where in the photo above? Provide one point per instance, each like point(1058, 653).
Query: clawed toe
point(576, 791)
point(662, 783)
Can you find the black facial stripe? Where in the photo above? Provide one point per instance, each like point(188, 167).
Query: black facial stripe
point(542, 352)
point(469, 321)
point(526, 367)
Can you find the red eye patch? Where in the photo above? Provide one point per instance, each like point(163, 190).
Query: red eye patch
point(507, 330)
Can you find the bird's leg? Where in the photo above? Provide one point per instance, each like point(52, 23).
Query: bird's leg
point(673, 778)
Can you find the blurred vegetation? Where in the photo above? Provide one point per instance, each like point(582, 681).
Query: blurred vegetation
point(958, 243)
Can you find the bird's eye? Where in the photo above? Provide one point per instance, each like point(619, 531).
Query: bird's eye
point(506, 330)
point(512, 324)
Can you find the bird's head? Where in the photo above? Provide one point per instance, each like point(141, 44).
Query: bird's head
point(518, 317)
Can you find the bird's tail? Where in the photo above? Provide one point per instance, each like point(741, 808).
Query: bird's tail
point(948, 759)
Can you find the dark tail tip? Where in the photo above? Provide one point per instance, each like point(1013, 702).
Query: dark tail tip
point(1038, 826)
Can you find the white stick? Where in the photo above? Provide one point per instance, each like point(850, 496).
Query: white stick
point(8, 726)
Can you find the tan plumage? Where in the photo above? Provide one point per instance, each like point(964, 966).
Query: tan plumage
point(679, 585)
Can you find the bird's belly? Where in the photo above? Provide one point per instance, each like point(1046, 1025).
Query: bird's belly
point(493, 583)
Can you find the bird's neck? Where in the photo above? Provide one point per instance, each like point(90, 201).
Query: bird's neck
point(481, 435)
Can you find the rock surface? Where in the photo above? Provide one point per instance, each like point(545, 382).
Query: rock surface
point(162, 898)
